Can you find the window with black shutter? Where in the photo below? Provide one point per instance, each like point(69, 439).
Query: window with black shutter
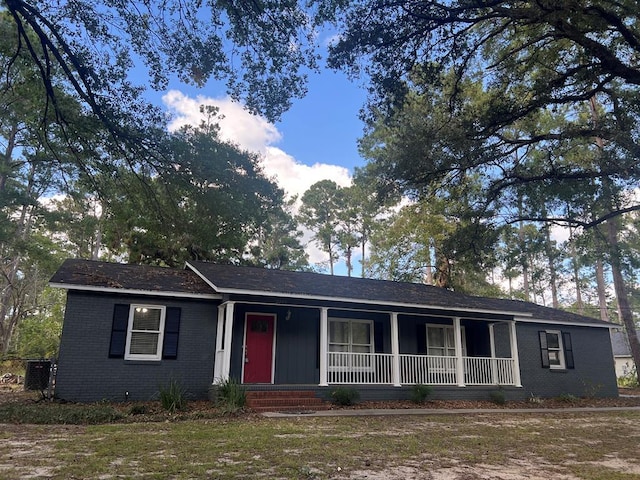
point(145, 332)
point(556, 350)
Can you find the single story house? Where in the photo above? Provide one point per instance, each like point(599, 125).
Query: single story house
point(621, 353)
point(130, 329)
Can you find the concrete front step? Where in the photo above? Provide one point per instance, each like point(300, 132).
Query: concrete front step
point(283, 401)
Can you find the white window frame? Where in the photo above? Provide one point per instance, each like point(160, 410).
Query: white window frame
point(559, 349)
point(160, 332)
point(446, 327)
point(371, 344)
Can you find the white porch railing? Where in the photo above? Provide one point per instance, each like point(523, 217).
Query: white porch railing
point(367, 368)
point(488, 371)
point(377, 368)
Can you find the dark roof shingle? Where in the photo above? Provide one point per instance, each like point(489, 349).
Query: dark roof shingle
point(76, 272)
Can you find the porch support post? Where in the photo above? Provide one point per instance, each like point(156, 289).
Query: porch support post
point(395, 351)
point(514, 354)
point(324, 339)
point(219, 351)
point(494, 361)
point(458, 343)
point(228, 336)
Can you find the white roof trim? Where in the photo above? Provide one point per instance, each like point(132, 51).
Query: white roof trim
point(233, 291)
point(561, 322)
point(131, 291)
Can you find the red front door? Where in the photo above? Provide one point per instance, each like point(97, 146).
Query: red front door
point(258, 350)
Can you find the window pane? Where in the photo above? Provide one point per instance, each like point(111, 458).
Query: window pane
point(143, 343)
point(338, 332)
point(338, 348)
point(361, 333)
point(436, 351)
point(451, 343)
point(361, 349)
point(435, 337)
point(554, 357)
point(146, 319)
point(553, 340)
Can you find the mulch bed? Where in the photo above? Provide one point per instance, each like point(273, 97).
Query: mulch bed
point(152, 411)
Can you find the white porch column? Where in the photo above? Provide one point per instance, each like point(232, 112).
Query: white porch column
point(513, 339)
point(324, 339)
point(457, 333)
point(219, 351)
point(494, 362)
point(228, 336)
point(395, 351)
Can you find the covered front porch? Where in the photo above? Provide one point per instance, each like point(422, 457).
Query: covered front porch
point(445, 363)
point(368, 347)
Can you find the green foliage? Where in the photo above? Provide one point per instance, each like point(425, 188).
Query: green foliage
point(231, 395)
point(567, 398)
point(629, 379)
point(38, 335)
point(173, 396)
point(138, 409)
point(420, 393)
point(498, 397)
point(345, 396)
point(58, 413)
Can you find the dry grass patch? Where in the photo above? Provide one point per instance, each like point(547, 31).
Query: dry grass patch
point(499, 447)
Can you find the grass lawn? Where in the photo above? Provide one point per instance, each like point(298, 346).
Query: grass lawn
point(500, 445)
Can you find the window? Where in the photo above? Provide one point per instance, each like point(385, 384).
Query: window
point(441, 341)
point(145, 332)
point(556, 349)
point(350, 336)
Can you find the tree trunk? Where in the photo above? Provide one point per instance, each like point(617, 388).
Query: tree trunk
point(576, 272)
point(552, 268)
point(621, 294)
point(601, 286)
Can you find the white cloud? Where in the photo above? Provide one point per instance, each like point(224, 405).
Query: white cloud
point(256, 134)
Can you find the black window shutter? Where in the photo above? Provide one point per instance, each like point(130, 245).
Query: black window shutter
point(171, 333)
point(119, 330)
point(568, 349)
point(544, 351)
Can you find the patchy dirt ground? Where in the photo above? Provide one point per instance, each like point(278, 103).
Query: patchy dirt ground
point(35, 447)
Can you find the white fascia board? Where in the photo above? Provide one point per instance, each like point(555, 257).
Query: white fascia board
point(560, 322)
point(131, 291)
point(206, 280)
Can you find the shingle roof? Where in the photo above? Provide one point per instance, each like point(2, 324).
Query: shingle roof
point(620, 343)
point(116, 276)
point(209, 279)
point(234, 279)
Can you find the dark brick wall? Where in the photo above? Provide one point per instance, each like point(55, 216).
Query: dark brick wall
point(593, 375)
point(86, 373)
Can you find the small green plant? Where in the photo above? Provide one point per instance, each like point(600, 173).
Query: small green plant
point(138, 409)
point(629, 379)
point(420, 393)
point(498, 397)
point(231, 395)
point(567, 398)
point(345, 396)
point(173, 397)
point(591, 390)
